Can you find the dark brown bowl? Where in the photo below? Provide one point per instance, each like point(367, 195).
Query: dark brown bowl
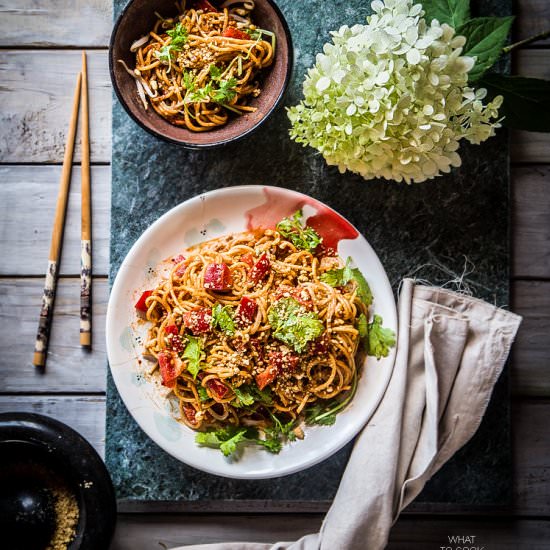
point(138, 18)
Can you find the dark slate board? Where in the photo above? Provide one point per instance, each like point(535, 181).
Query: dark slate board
point(412, 228)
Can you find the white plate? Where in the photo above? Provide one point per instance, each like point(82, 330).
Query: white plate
point(202, 218)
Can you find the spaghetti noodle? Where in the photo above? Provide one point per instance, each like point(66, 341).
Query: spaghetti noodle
point(195, 69)
point(259, 331)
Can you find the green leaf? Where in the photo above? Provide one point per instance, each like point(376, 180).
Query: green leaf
point(178, 35)
point(363, 288)
point(452, 12)
point(342, 276)
point(222, 318)
point(305, 238)
point(215, 72)
point(229, 438)
point(272, 444)
point(485, 38)
point(226, 91)
point(192, 353)
point(526, 103)
point(380, 339)
point(292, 325)
point(244, 397)
point(203, 394)
point(363, 326)
point(188, 81)
point(316, 415)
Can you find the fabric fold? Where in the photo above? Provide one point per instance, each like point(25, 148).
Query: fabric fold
point(451, 349)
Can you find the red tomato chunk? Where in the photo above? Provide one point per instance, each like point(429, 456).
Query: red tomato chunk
point(248, 258)
point(217, 387)
point(260, 270)
point(247, 310)
point(199, 320)
point(189, 413)
point(232, 32)
point(217, 277)
point(170, 366)
point(266, 377)
point(140, 304)
point(283, 360)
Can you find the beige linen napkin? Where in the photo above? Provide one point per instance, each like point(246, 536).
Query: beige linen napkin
point(451, 351)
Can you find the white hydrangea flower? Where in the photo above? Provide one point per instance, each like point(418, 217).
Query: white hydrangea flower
point(391, 99)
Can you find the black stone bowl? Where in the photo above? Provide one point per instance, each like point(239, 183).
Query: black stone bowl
point(46, 448)
point(138, 18)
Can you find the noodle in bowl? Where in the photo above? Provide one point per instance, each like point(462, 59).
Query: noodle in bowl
point(297, 373)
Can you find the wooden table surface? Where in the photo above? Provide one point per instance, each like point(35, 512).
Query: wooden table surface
point(40, 43)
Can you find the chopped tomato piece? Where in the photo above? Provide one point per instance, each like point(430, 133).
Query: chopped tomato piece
point(171, 329)
point(178, 260)
point(199, 320)
point(232, 32)
point(204, 5)
point(266, 377)
point(189, 413)
point(170, 366)
point(218, 387)
point(140, 304)
point(260, 270)
point(248, 258)
point(258, 347)
point(247, 310)
point(217, 277)
point(281, 360)
point(320, 346)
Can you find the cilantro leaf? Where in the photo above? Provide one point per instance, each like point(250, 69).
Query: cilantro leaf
point(363, 326)
point(244, 397)
point(215, 72)
point(338, 277)
point(222, 318)
point(315, 415)
point(228, 439)
point(380, 339)
point(178, 35)
point(189, 81)
point(292, 325)
point(342, 276)
point(164, 54)
point(363, 288)
point(264, 396)
point(203, 394)
point(201, 94)
point(305, 238)
point(192, 353)
point(226, 91)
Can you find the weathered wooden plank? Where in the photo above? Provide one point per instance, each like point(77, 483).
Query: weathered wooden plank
point(70, 368)
point(36, 111)
point(531, 351)
point(532, 146)
point(532, 17)
point(37, 87)
point(531, 457)
point(28, 196)
point(531, 221)
point(84, 414)
point(141, 532)
point(59, 23)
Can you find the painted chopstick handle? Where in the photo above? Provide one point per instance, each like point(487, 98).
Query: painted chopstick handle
point(86, 293)
point(45, 321)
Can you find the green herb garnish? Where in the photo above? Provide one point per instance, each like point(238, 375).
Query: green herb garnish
point(342, 276)
point(380, 339)
point(244, 397)
point(293, 325)
point(305, 238)
point(178, 35)
point(192, 353)
point(222, 318)
point(228, 439)
point(226, 91)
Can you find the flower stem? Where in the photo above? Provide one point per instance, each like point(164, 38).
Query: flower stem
point(540, 36)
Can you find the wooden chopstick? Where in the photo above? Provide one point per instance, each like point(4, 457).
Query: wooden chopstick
point(86, 218)
point(48, 297)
